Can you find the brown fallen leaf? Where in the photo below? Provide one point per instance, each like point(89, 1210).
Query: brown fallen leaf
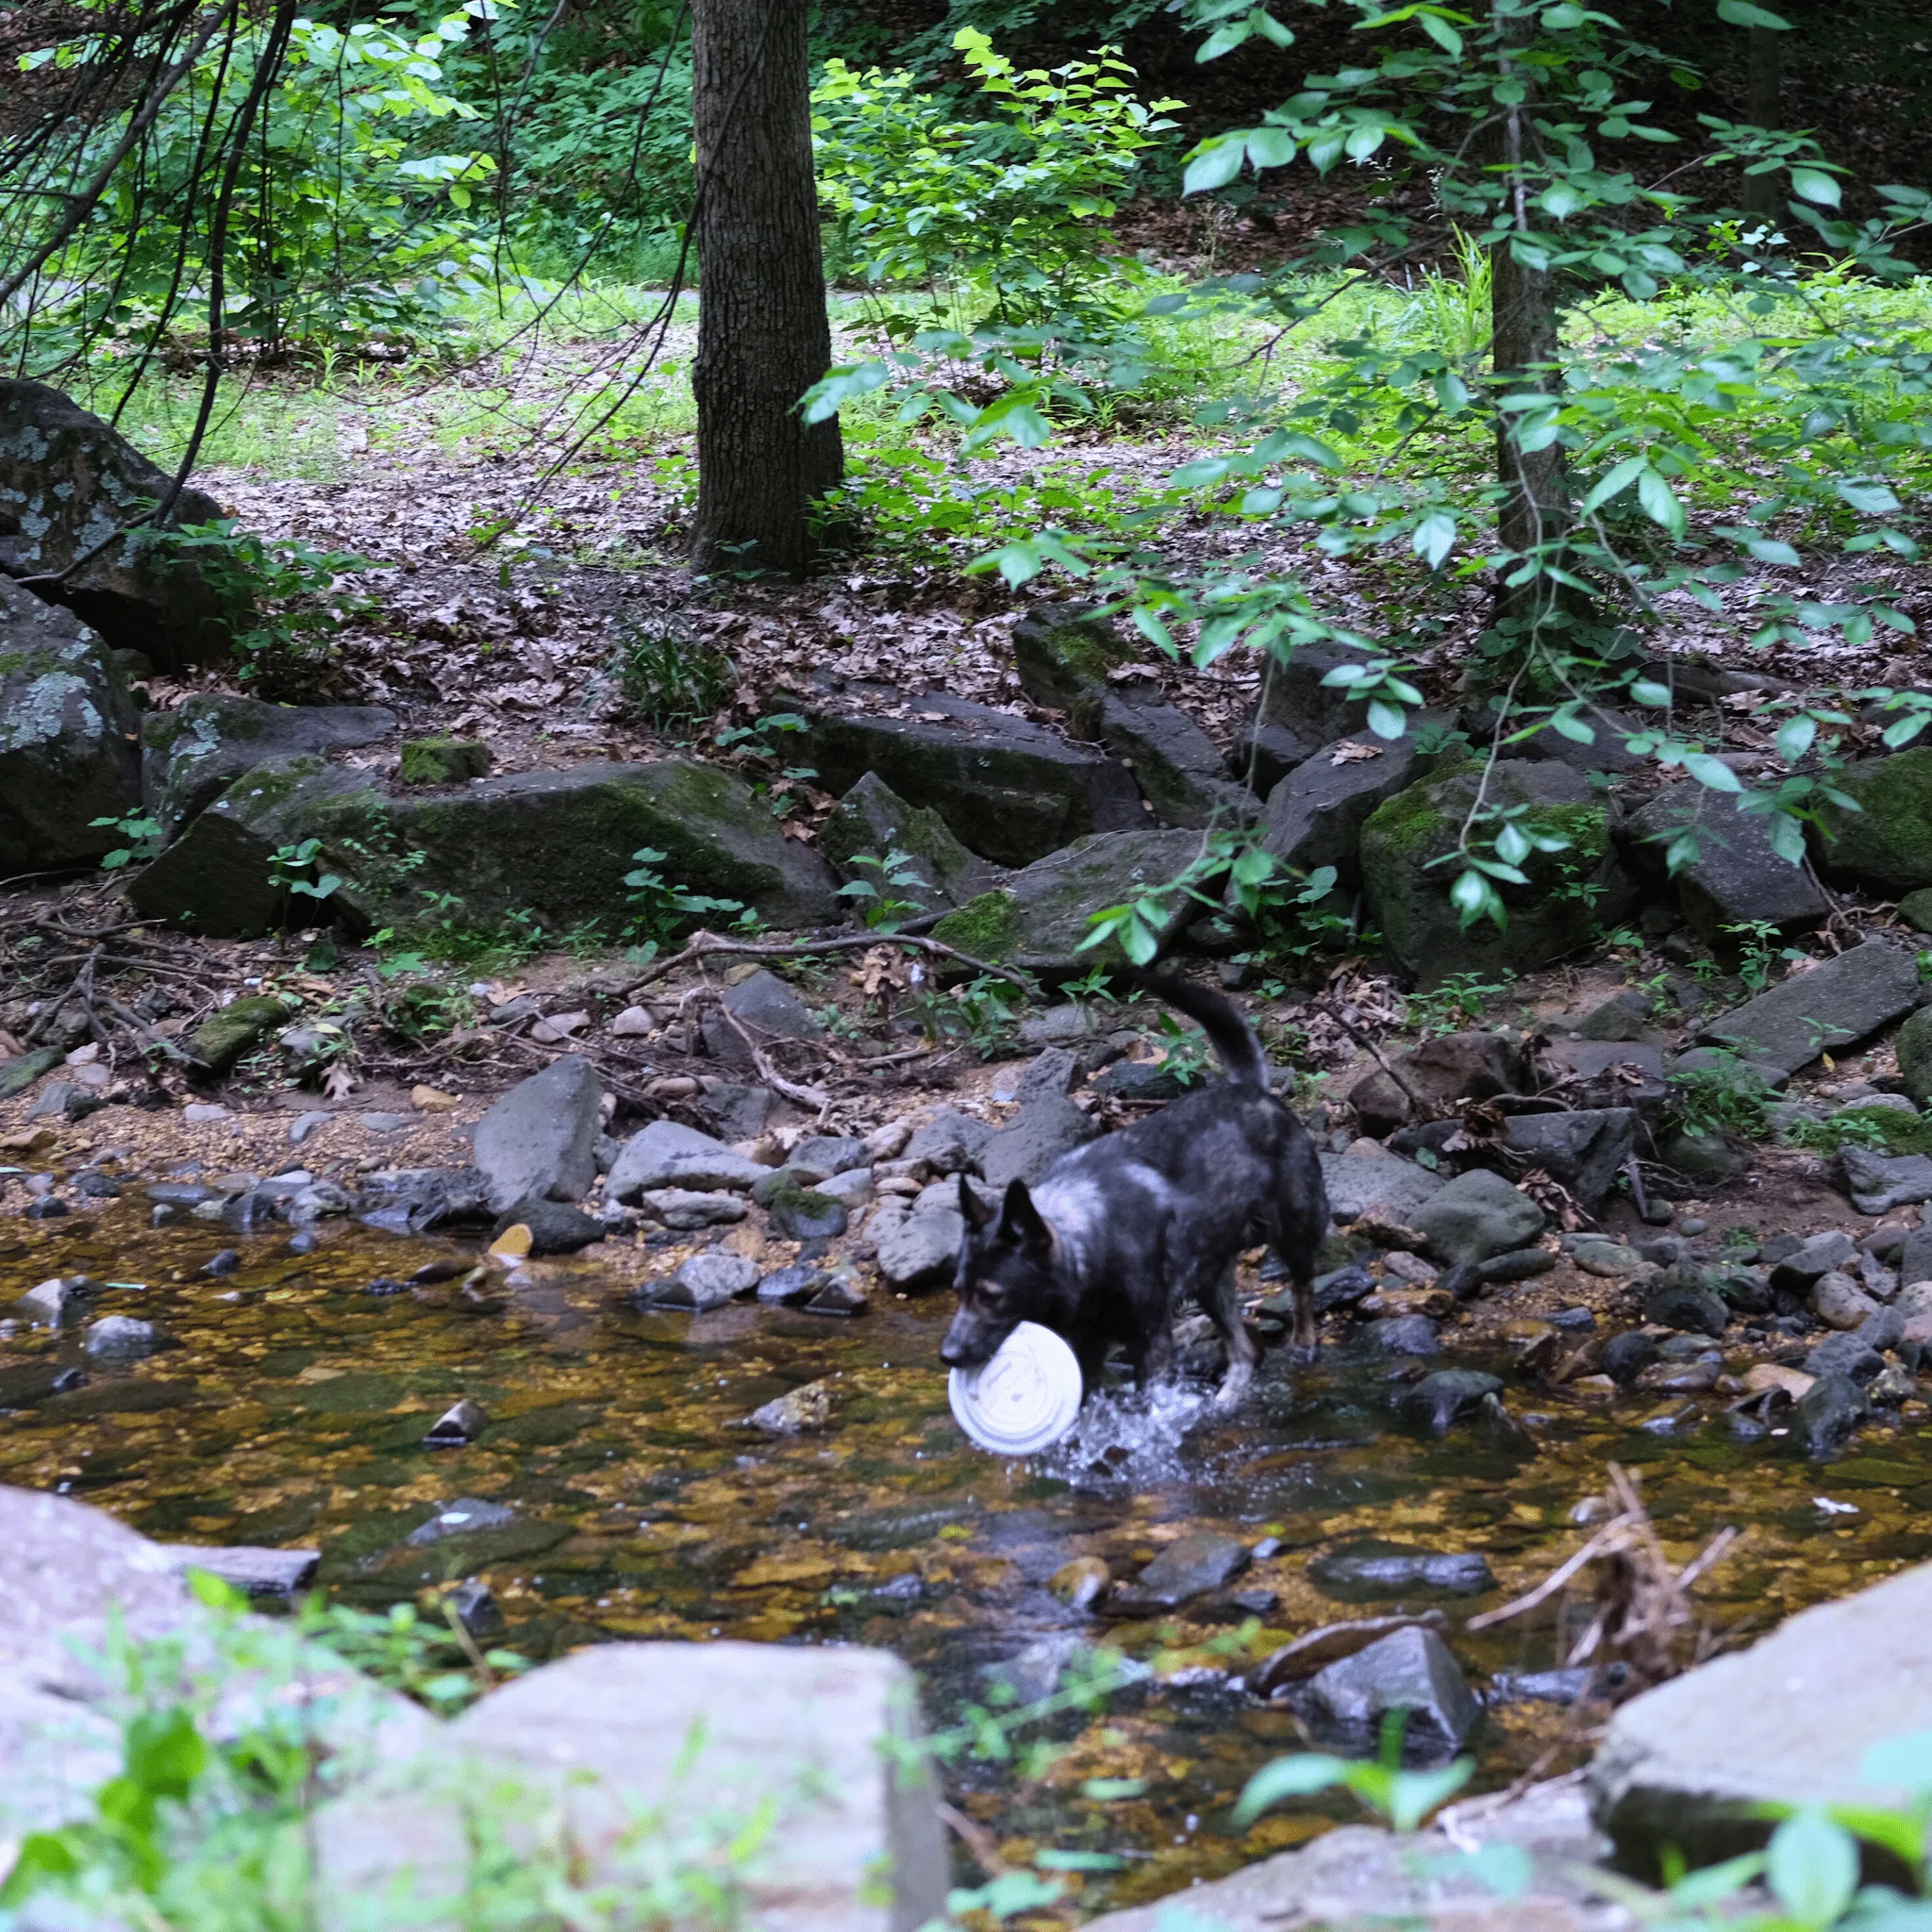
point(1349, 753)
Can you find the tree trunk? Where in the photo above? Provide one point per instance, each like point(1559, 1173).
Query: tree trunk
point(764, 335)
point(1537, 505)
point(1762, 109)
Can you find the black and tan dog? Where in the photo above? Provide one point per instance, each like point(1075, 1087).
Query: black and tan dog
point(1118, 1233)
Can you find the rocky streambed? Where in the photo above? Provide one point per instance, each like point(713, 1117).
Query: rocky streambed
point(606, 1482)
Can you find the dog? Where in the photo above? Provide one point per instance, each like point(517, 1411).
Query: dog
point(1118, 1233)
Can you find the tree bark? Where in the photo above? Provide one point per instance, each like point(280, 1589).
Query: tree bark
point(1762, 109)
point(763, 334)
point(1537, 505)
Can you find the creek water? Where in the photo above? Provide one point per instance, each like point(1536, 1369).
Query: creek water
point(290, 1404)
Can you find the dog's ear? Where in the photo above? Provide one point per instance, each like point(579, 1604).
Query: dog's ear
point(1019, 1219)
point(976, 1210)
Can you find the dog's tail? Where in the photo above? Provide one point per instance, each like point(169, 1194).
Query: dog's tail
point(1220, 1019)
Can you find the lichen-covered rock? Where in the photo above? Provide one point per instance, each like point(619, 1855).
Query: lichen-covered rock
point(1042, 911)
point(1914, 1047)
point(1012, 791)
point(874, 820)
point(65, 752)
point(553, 844)
point(1886, 842)
point(1568, 891)
point(68, 484)
point(190, 754)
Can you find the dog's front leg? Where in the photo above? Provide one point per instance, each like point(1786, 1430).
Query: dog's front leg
point(1154, 1358)
point(1307, 1341)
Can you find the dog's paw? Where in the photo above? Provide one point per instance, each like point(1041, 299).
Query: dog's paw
point(1304, 1354)
point(1234, 1389)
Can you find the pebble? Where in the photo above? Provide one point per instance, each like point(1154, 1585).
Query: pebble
point(680, 1208)
point(386, 1122)
point(432, 1100)
point(225, 1262)
point(198, 1111)
point(456, 1426)
point(1839, 1302)
point(1695, 1225)
point(792, 1414)
point(1608, 1258)
point(634, 1023)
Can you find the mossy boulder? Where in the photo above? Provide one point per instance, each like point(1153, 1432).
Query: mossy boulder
point(1041, 913)
point(190, 754)
point(553, 844)
point(1061, 651)
point(1915, 909)
point(1569, 893)
point(66, 756)
point(1885, 844)
point(1914, 1048)
point(221, 1040)
point(873, 819)
point(444, 760)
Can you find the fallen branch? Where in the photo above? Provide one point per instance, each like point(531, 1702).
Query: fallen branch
point(708, 944)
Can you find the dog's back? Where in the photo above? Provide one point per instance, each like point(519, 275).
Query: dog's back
point(1121, 1231)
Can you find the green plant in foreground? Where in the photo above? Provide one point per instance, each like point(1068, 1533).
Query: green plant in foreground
point(291, 869)
point(661, 910)
point(142, 833)
point(1450, 1008)
point(1729, 1097)
point(980, 1014)
point(285, 601)
point(672, 680)
point(894, 874)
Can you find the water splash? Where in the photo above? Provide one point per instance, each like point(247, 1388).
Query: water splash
point(1126, 1438)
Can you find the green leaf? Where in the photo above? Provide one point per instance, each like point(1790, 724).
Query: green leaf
point(1078, 1862)
point(1794, 739)
point(1906, 1761)
point(1809, 184)
point(1647, 691)
point(1106, 1788)
point(1386, 720)
point(1215, 163)
point(1441, 33)
point(1660, 502)
point(1711, 772)
point(824, 396)
point(1271, 147)
point(1286, 1777)
point(1435, 535)
point(1812, 1865)
point(1874, 499)
point(1770, 550)
point(1787, 837)
point(1742, 13)
point(1614, 482)
point(1512, 847)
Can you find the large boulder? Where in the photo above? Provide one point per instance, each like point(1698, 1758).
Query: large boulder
point(1737, 879)
point(1914, 1048)
point(70, 489)
point(191, 755)
point(1012, 791)
point(1384, 1186)
point(1569, 893)
point(1293, 694)
point(1886, 842)
point(1041, 912)
point(874, 820)
point(1836, 1002)
point(1585, 1150)
point(1078, 664)
point(79, 1583)
point(66, 754)
point(641, 1748)
point(1476, 1215)
point(1705, 1761)
point(1315, 816)
point(553, 843)
point(1439, 1072)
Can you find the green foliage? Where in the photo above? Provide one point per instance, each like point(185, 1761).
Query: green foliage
point(143, 835)
point(1454, 1006)
point(342, 226)
point(1401, 1798)
point(292, 870)
point(979, 1012)
point(661, 910)
point(1010, 208)
point(285, 600)
point(1728, 1097)
point(674, 682)
point(891, 874)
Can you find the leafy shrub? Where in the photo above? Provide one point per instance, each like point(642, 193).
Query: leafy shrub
point(1012, 207)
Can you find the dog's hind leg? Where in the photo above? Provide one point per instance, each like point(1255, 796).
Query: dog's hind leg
point(1152, 1355)
point(1218, 1299)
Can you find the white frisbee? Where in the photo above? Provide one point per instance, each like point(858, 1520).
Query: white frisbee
point(1023, 1399)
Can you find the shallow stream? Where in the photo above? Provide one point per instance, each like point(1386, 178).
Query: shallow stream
point(291, 1409)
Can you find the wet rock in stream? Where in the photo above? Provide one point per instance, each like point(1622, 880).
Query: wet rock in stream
point(1374, 1571)
point(1438, 1401)
point(1410, 1670)
point(1189, 1567)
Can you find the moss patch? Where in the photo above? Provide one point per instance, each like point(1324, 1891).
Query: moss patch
point(988, 926)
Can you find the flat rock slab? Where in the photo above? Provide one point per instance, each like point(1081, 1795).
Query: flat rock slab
point(1358, 1875)
point(1011, 790)
point(704, 1736)
point(1819, 1011)
point(254, 1571)
point(1788, 1721)
point(1314, 817)
point(1386, 1185)
point(1736, 877)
